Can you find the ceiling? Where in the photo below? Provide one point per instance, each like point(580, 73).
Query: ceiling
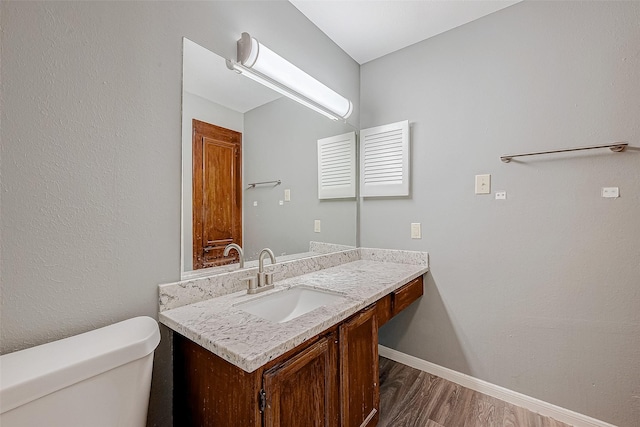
point(367, 30)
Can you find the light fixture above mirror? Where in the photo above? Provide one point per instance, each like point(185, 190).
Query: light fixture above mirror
point(259, 63)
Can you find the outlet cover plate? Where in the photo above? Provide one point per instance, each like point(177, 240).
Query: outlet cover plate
point(611, 192)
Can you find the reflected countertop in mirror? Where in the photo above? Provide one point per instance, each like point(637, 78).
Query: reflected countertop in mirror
point(278, 142)
point(315, 249)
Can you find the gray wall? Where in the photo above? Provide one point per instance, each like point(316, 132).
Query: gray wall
point(538, 293)
point(91, 154)
point(280, 142)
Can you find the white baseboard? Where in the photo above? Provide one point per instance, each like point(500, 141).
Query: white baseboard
point(535, 405)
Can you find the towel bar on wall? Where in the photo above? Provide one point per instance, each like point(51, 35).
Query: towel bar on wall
point(616, 146)
point(276, 182)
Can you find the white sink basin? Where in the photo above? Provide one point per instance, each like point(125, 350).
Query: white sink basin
point(283, 306)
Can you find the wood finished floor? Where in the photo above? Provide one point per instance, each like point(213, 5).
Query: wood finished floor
point(413, 398)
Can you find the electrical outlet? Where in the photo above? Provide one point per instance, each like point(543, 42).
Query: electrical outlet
point(416, 230)
point(255, 203)
point(280, 202)
point(287, 195)
point(610, 192)
point(316, 226)
point(501, 195)
point(483, 184)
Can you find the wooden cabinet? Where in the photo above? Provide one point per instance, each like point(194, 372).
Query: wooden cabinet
point(331, 380)
point(383, 310)
point(303, 391)
point(300, 388)
point(209, 391)
point(359, 389)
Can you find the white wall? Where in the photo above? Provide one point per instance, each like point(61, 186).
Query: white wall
point(539, 293)
point(91, 154)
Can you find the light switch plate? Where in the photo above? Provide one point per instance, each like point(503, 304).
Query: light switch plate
point(287, 195)
point(416, 230)
point(316, 226)
point(483, 184)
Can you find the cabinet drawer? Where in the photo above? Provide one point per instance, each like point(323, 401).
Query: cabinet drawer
point(407, 294)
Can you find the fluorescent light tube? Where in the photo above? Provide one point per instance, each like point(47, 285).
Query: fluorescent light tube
point(261, 64)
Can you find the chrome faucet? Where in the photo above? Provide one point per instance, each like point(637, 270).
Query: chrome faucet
point(265, 280)
point(238, 249)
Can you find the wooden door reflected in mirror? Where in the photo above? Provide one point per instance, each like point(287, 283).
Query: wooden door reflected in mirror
point(217, 193)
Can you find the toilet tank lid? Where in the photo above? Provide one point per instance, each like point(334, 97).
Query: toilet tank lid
point(32, 373)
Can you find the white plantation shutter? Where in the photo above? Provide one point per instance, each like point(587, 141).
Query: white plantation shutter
point(384, 160)
point(337, 166)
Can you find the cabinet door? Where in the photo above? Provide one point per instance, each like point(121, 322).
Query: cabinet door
point(359, 388)
point(303, 391)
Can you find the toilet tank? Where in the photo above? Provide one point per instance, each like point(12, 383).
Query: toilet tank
point(99, 378)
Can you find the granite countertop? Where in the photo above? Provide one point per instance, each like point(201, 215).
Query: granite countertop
point(249, 341)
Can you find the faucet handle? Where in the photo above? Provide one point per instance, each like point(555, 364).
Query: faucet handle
point(268, 279)
point(251, 282)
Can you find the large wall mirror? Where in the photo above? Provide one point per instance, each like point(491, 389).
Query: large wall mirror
point(238, 132)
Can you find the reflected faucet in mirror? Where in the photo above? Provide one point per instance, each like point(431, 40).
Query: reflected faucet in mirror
point(238, 249)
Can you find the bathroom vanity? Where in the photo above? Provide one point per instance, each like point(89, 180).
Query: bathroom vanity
point(234, 368)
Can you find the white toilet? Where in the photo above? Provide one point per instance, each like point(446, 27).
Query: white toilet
point(99, 378)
